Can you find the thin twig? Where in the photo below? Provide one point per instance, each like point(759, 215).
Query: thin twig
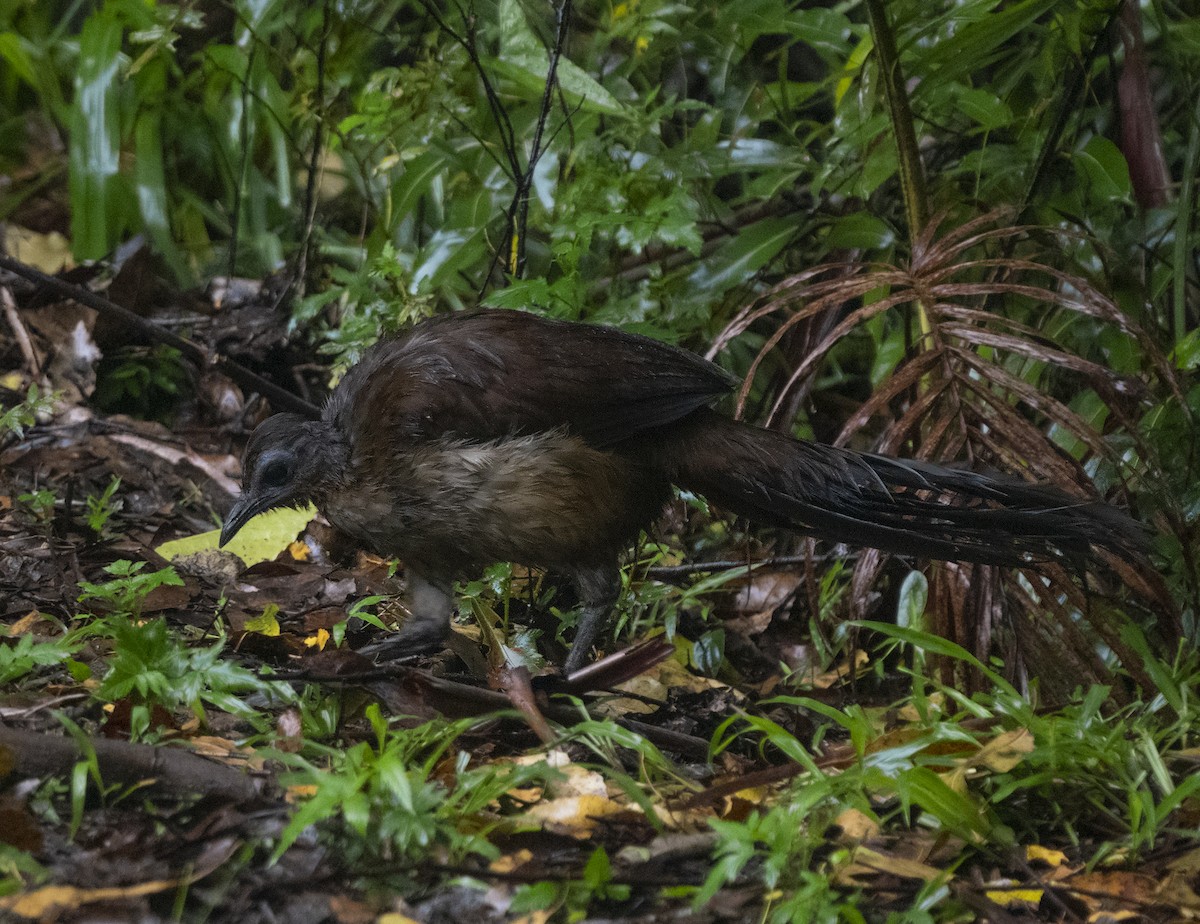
point(518, 218)
point(19, 331)
point(244, 167)
point(296, 284)
point(666, 572)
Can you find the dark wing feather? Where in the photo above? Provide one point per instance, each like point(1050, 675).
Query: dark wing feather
point(488, 374)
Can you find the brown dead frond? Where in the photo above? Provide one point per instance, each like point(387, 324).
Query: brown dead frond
point(984, 384)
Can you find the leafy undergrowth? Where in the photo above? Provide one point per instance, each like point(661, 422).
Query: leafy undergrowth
point(201, 741)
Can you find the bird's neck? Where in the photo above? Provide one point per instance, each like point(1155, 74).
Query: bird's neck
point(330, 454)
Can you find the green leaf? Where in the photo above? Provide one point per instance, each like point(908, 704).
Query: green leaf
point(829, 32)
point(910, 609)
point(13, 52)
point(538, 896)
point(524, 60)
point(982, 106)
point(957, 813)
point(935, 644)
point(448, 251)
point(860, 231)
point(708, 651)
point(416, 179)
point(151, 185)
point(971, 45)
point(1102, 165)
point(737, 260)
point(1159, 673)
point(598, 870)
point(96, 203)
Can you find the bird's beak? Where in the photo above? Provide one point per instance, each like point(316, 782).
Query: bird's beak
point(244, 509)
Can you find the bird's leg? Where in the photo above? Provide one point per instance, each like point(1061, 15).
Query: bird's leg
point(430, 604)
point(598, 588)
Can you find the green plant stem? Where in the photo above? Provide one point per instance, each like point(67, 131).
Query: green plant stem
point(912, 176)
point(1183, 216)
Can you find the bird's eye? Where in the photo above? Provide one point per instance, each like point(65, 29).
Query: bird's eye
point(275, 473)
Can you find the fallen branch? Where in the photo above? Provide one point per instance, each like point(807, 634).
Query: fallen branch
point(169, 770)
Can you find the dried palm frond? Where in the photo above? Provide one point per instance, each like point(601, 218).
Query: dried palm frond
point(984, 386)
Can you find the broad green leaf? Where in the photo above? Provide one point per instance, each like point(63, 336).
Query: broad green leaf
point(737, 260)
point(448, 251)
point(971, 45)
point(982, 106)
point(525, 61)
point(1103, 166)
point(414, 182)
point(958, 813)
point(829, 32)
point(708, 651)
point(151, 184)
point(13, 52)
point(860, 231)
point(96, 206)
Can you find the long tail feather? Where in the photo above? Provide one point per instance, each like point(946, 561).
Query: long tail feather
point(899, 506)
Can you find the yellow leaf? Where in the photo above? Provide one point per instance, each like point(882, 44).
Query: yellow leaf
point(1008, 897)
point(534, 917)
point(575, 816)
point(266, 624)
point(318, 641)
point(1036, 853)
point(263, 538)
point(48, 902)
point(47, 252)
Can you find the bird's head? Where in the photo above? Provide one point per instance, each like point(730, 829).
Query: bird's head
point(288, 462)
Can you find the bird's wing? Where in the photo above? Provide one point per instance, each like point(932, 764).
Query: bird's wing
point(494, 373)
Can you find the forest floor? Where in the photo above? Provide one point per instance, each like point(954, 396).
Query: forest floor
point(193, 735)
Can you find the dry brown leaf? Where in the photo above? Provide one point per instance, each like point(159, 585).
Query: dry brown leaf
point(511, 861)
point(856, 825)
point(1117, 884)
point(25, 623)
point(49, 901)
point(867, 864)
point(1005, 751)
